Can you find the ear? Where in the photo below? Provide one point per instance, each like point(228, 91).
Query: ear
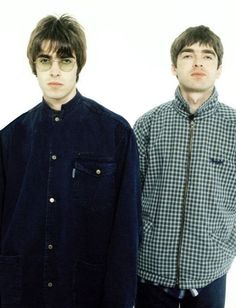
point(219, 71)
point(174, 70)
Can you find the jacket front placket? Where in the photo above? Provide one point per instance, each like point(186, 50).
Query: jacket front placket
point(53, 202)
point(192, 125)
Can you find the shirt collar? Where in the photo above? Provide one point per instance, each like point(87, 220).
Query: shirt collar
point(207, 108)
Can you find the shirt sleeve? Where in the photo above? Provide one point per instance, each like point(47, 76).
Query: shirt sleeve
point(121, 275)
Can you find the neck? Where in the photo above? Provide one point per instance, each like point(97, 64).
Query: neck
point(195, 99)
point(54, 106)
point(55, 103)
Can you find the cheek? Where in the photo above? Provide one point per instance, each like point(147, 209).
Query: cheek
point(213, 74)
point(69, 77)
point(218, 73)
point(40, 81)
point(72, 78)
point(41, 77)
point(182, 74)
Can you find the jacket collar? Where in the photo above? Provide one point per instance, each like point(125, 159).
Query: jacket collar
point(65, 108)
point(206, 109)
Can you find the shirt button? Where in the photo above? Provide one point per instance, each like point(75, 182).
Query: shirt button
point(51, 200)
point(50, 246)
point(54, 157)
point(56, 119)
point(50, 284)
point(98, 171)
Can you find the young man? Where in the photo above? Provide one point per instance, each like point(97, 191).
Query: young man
point(187, 152)
point(69, 189)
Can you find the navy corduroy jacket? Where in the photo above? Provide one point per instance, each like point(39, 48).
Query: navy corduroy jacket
point(69, 208)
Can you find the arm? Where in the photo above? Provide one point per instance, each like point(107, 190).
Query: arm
point(120, 281)
point(142, 137)
point(2, 183)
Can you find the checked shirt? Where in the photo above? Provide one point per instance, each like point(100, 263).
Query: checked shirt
point(188, 173)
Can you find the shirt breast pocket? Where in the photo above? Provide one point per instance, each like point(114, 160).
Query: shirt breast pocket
point(94, 183)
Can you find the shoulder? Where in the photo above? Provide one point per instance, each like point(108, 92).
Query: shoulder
point(104, 114)
point(21, 121)
point(227, 113)
point(152, 116)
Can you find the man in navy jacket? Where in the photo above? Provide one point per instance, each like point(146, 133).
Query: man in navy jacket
point(69, 189)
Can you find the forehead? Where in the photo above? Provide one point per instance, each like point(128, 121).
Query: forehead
point(197, 47)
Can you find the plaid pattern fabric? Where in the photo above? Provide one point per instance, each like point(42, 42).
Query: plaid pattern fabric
point(188, 173)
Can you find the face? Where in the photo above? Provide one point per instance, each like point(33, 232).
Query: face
point(58, 86)
point(197, 68)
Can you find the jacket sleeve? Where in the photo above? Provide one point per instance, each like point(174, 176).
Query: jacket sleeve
point(141, 130)
point(121, 275)
point(2, 181)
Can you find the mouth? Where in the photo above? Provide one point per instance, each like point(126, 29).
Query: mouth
point(55, 84)
point(198, 74)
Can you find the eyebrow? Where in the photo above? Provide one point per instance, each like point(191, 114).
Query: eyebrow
point(43, 55)
point(206, 51)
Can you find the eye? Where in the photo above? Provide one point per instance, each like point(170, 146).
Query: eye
point(208, 57)
point(67, 61)
point(43, 60)
point(187, 56)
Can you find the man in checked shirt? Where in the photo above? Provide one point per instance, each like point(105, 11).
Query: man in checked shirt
point(188, 173)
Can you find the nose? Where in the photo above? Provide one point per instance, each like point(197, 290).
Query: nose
point(197, 62)
point(198, 65)
point(55, 69)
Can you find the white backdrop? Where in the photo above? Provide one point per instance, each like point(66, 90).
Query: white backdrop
point(128, 66)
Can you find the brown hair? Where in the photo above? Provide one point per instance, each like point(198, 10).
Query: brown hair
point(64, 34)
point(200, 34)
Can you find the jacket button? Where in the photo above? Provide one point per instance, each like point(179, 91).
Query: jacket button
point(98, 171)
point(51, 200)
point(50, 246)
point(50, 284)
point(54, 157)
point(56, 119)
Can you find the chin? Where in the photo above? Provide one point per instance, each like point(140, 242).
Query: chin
point(54, 94)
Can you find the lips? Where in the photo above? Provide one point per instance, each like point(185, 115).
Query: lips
point(198, 74)
point(55, 83)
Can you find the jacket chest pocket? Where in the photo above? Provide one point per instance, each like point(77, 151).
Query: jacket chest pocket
point(94, 183)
